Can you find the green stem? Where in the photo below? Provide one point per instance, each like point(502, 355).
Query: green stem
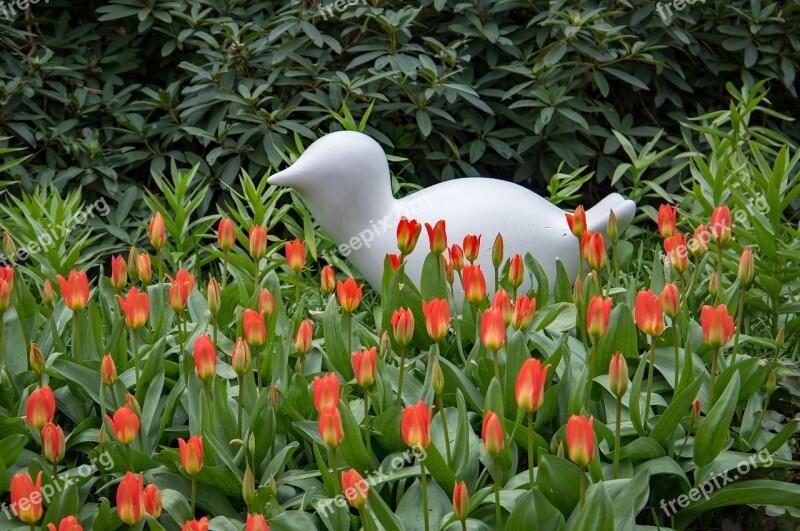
point(457, 325)
point(719, 272)
point(77, 323)
point(180, 354)
point(255, 273)
point(136, 356)
point(335, 471)
point(440, 403)
point(5, 364)
point(113, 397)
point(366, 420)
point(739, 315)
point(617, 437)
point(583, 485)
point(496, 278)
point(216, 331)
point(349, 333)
point(194, 492)
point(424, 480)
point(296, 289)
point(363, 514)
point(685, 441)
point(496, 366)
point(224, 269)
point(713, 377)
point(463, 525)
point(589, 365)
point(616, 262)
point(258, 364)
point(239, 408)
point(532, 479)
point(402, 372)
point(676, 340)
point(650, 368)
point(580, 263)
point(55, 472)
point(498, 514)
point(207, 393)
point(757, 429)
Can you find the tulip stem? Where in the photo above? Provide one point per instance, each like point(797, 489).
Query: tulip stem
point(216, 331)
point(583, 484)
point(757, 429)
point(440, 403)
point(616, 261)
point(719, 272)
point(334, 471)
point(366, 420)
point(113, 397)
point(530, 450)
point(402, 371)
point(362, 512)
point(650, 380)
point(349, 332)
point(496, 365)
point(136, 356)
point(297, 288)
point(255, 273)
point(714, 356)
point(77, 323)
point(130, 459)
point(676, 340)
point(498, 513)
point(740, 312)
point(5, 364)
point(617, 437)
point(194, 491)
point(55, 472)
point(239, 408)
point(224, 268)
point(424, 481)
point(589, 364)
point(180, 354)
point(463, 525)
point(207, 393)
point(496, 278)
point(456, 324)
point(258, 364)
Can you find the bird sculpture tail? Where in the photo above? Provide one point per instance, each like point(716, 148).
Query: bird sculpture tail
point(597, 216)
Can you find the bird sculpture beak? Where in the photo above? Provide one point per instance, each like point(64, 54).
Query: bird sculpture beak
point(287, 177)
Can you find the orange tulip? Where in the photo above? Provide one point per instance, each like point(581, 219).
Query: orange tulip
point(493, 329)
point(40, 408)
point(474, 284)
point(226, 238)
point(108, 371)
point(266, 302)
point(182, 286)
point(70, 523)
point(26, 497)
point(295, 255)
point(7, 275)
point(152, 501)
point(330, 427)
point(205, 358)
point(75, 290)
point(119, 272)
point(516, 270)
point(302, 341)
point(580, 439)
point(597, 316)
point(531, 381)
point(191, 454)
point(144, 269)
point(53, 443)
point(156, 231)
point(395, 260)
point(593, 250)
point(364, 366)
point(695, 414)
point(718, 327)
point(746, 271)
point(456, 255)
point(649, 313)
point(437, 235)
point(461, 501)
point(618, 374)
point(254, 330)
point(472, 247)
point(492, 434)
point(675, 247)
point(256, 522)
point(721, 225)
point(130, 499)
point(125, 424)
point(136, 307)
point(502, 301)
point(670, 300)
point(403, 326)
point(577, 222)
point(524, 311)
point(326, 392)
point(196, 525)
point(257, 239)
point(355, 489)
point(328, 279)
point(437, 317)
point(415, 425)
point(240, 359)
point(699, 242)
point(666, 220)
point(349, 294)
point(407, 235)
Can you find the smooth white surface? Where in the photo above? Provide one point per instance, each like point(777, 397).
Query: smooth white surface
point(344, 179)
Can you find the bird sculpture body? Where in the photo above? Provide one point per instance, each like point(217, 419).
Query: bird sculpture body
point(344, 179)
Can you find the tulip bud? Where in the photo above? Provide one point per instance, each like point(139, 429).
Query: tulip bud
point(132, 260)
point(613, 229)
point(330, 427)
point(226, 238)
point(48, 294)
point(273, 399)
point(328, 280)
point(191, 453)
point(240, 359)
point(156, 232)
point(53, 443)
point(214, 301)
point(102, 437)
point(746, 267)
point(577, 222)
point(516, 271)
point(143, 268)
point(302, 342)
point(119, 272)
point(502, 301)
point(437, 235)
point(133, 404)
point(772, 381)
point(108, 371)
point(497, 251)
point(266, 302)
point(248, 486)
point(695, 410)
point(152, 501)
point(251, 444)
point(670, 300)
point(355, 489)
point(437, 377)
point(273, 486)
point(461, 501)
point(779, 337)
point(9, 249)
point(577, 293)
point(364, 367)
point(448, 271)
point(618, 375)
point(205, 358)
point(492, 434)
point(386, 344)
point(36, 360)
point(713, 284)
point(456, 257)
point(472, 247)
point(580, 440)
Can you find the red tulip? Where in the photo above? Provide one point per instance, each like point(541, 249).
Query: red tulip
point(152, 501)
point(531, 381)
point(254, 330)
point(593, 250)
point(437, 235)
point(330, 427)
point(205, 358)
point(70, 523)
point(349, 294)
point(119, 272)
point(580, 439)
point(182, 286)
point(671, 300)
point(125, 424)
point(516, 270)
point(240, 359)
point(524, 311)
point(196, 525)
point(295, 255)
point(577, 222)
point(302, 341)
point(395, 260)
point(721, 225)
point(502, 301)
point(597, 316)
point(257, 239)
point(53, 443)
point(415, 425)
point(266, 302)
point(675, 247)
point(492, 434)
point(7, 275)
point(130, 499)
point(256, 522)
point(326, 392)
point(403, 326)
point(493, 329)
point(649, 313)
point(472, 247)
point(699, 242)
point(144, 269)
point(364, 366)
point(191, 454)
point(474, 284)
point(437, 318)
point(718, 327)
point(108, 371)
point(226, 238)
point(746, 270)
point(456, 255)
point(40, 408)
point(355, 489)
point(666, 220)
point(213, 296)
point(75, 290)
point(407, 235)
point(26, 498)
point(695, 414)
point(136, 307)
point(328, 279)
point(618, 374)
point(461, 501)
point(156, 232)
point(48, 293)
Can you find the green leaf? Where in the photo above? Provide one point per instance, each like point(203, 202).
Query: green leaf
point(597, 514)
point(534, 511)
point(713, 431)
point(678, 409)
point(559, 480)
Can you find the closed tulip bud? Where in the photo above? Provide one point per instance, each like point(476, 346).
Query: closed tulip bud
point(248, 486)
point(181, 288)
point(493, 329)
point(108, 370)
point(675, 248)
point(779, 337)
point(53, 443)
point(136, 308)
point(670, 300)
point(36, 360)
point(102, 437)
point(437, 235)
point(125, 424)
point(48, 293)
point(364, 366)
point(593, 250)
point(191, 454)
point(721, 223)
point(119, 272)
point(326, 392)
point(266, 302)
point(492, 434)
point(75, 290)
point(502, 301)
point(618, 375)
point(713, 284)
point(70, 523)
point(597, 316)
point(524, 311)
point(666, 220)
point(386, 344)
point(437, 318)
point(461, 501)
point(6, 287)
point(254, 330)
point(328, 280)
point(448, 271)
point(516, 271)
point(130, 499)
point(437, 377)
point(355, 489)
point(213, 295)
point(612, 228)
point(531, 381)
point(746, 267)
point(403, 326)
point(330, 427)
point(415, 425)
point(131, 263)
point(152, 501)
point(273, 486)
point(295, 255)
point(9, 249)
point(251, 444)
point(699, 242)
point(497, 251)
point(472, 247)
point(649, 313)
point(456, 257)
point(156, 232)
point(577, 222)
point(349, 294)
point(407, 235)
point(256, 522)
point(717, 325)
point(26, 498)
point(257, 240)
point(395, 260)
point(226, 238)
point(577, 293)
point(695, 410)
point(240, 359)
point(474, 284)
point(302, 342)
point(133, 405)
point(40, 408)
point(772, 381)
point(205, 358)
point(580, 439)
point(196, 525)
point(144, 269)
